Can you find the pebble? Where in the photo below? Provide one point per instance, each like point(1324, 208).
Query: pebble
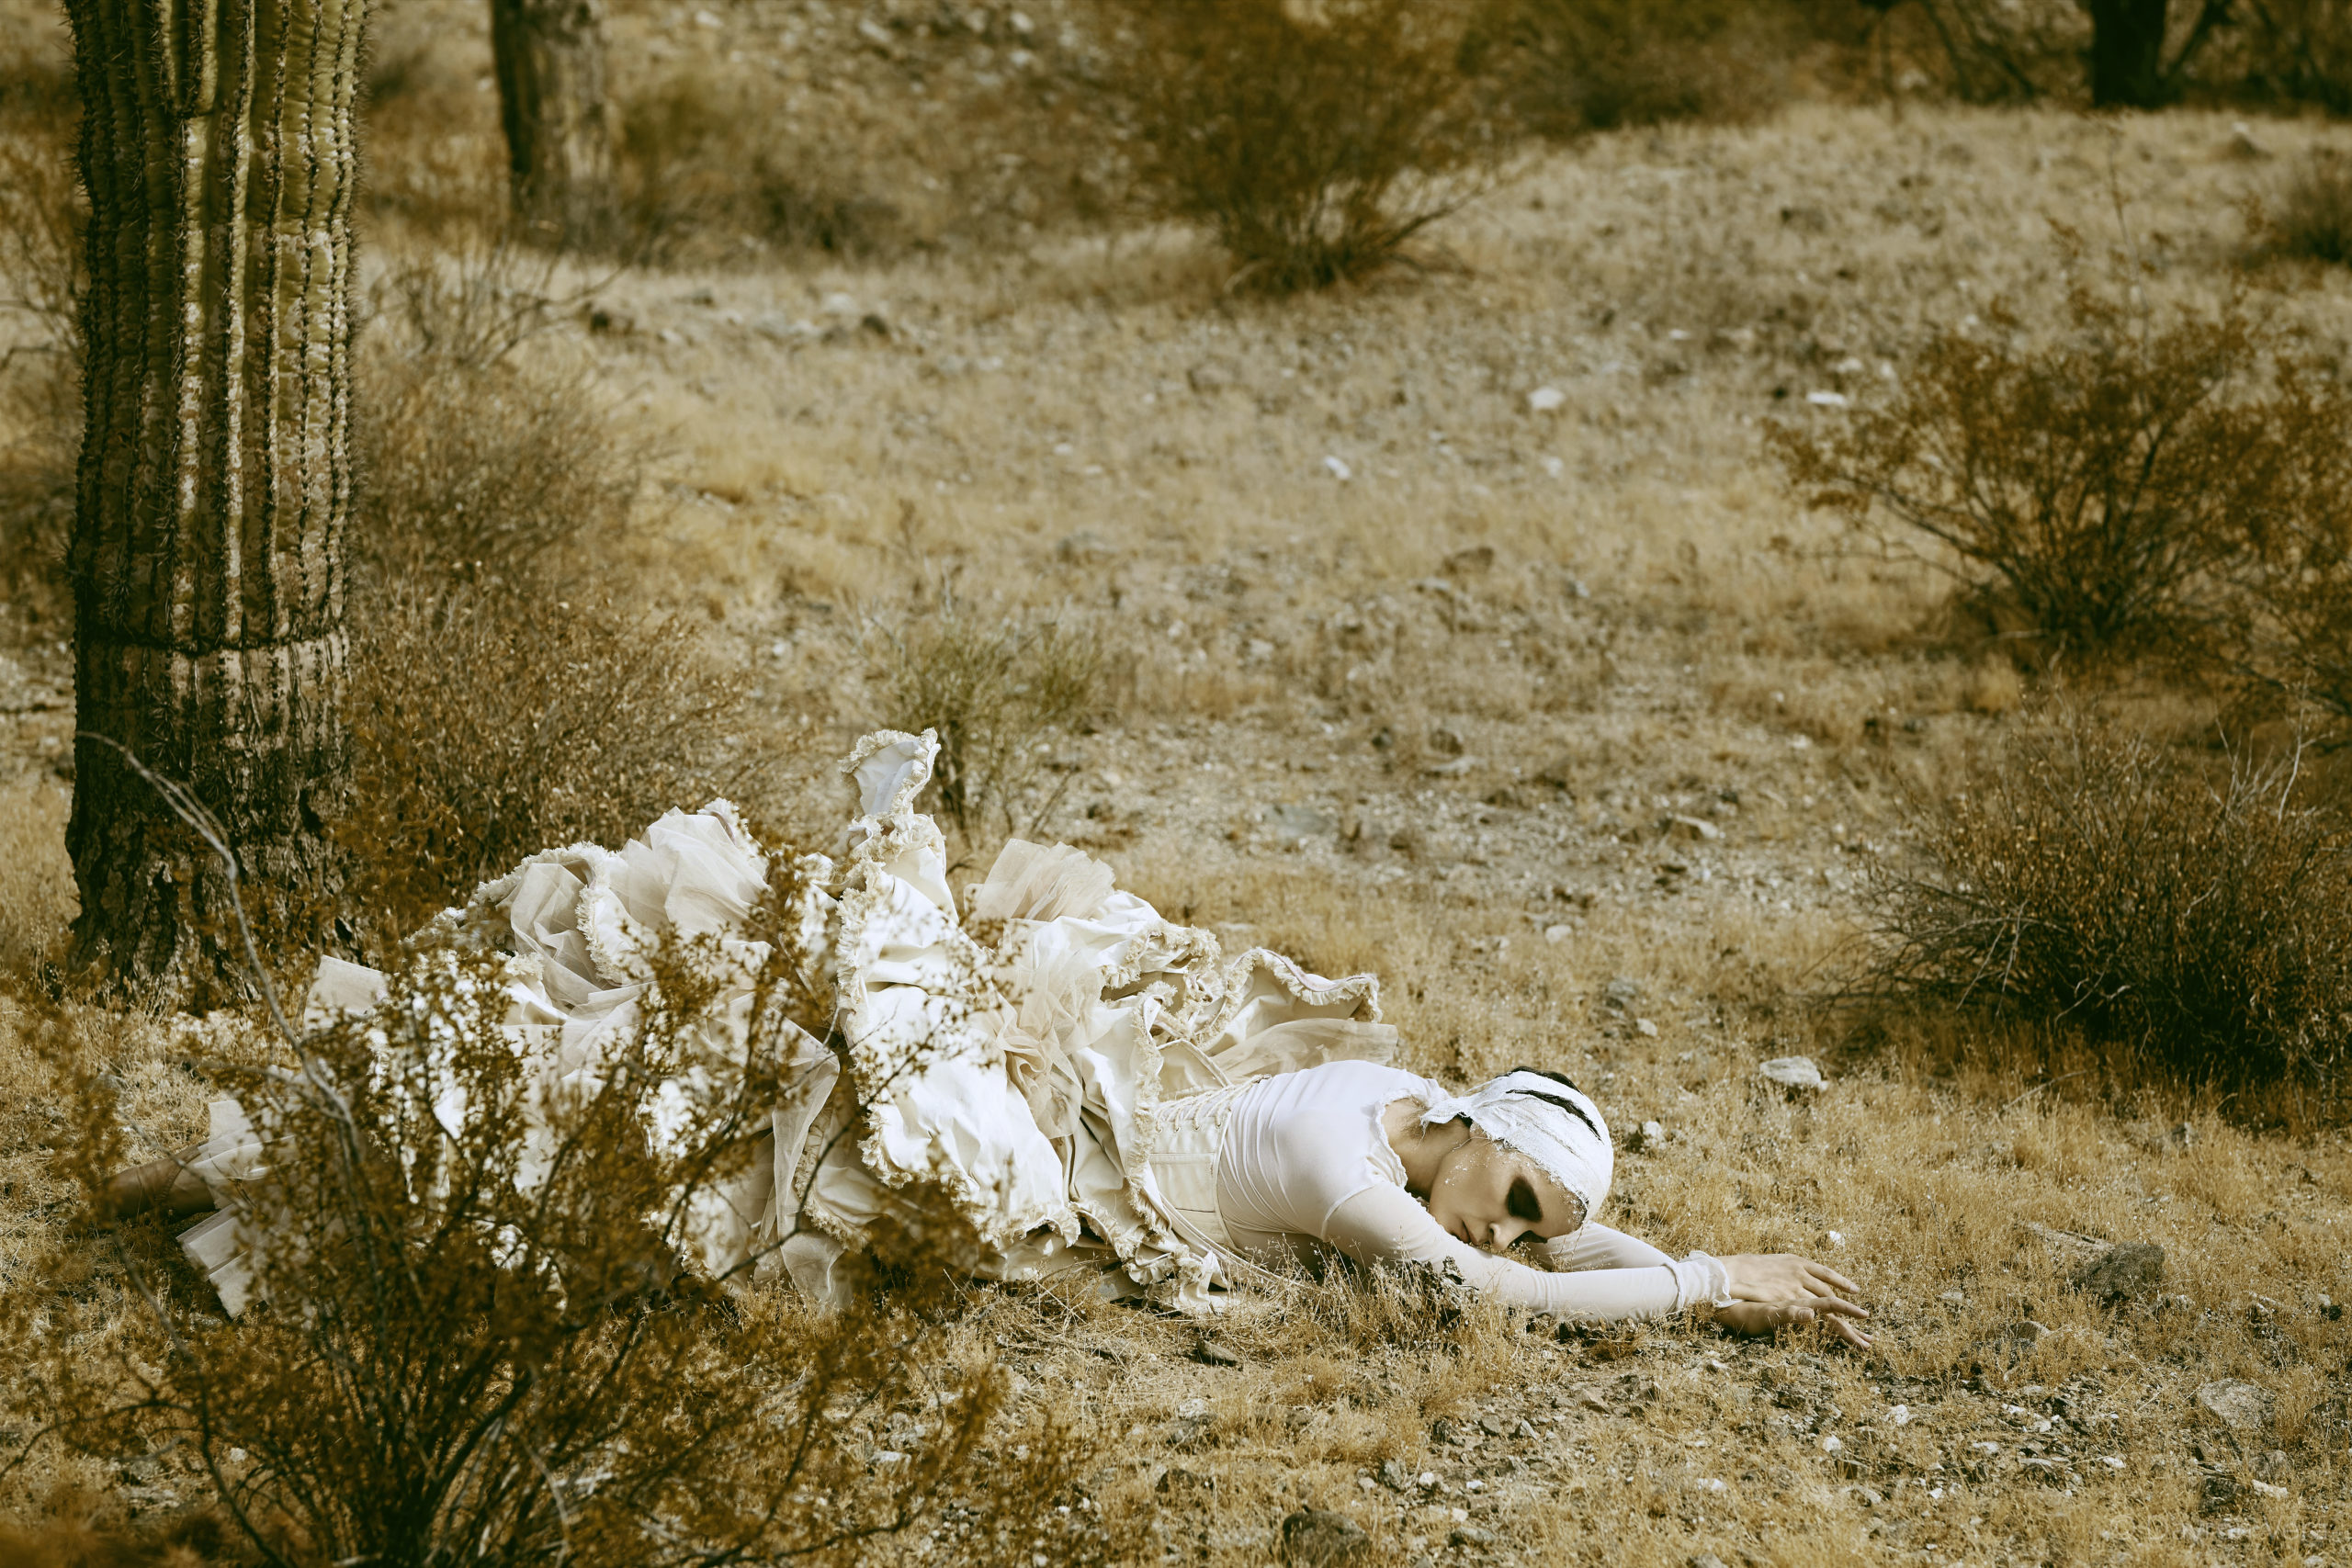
point(1319, 1536)
point(1470, 1535)
point(2129, 1270)
point(1544, 399)
point(2240, 1406)
point(1338, 468)
point(1558, 933)
point(1622, 992)
point(1792, 1072)
point(1644, 1028)
point(1694, 828)
point(1208, 1352)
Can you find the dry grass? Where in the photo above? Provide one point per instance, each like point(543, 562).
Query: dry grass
point(2312, 218)
point(1086, 422)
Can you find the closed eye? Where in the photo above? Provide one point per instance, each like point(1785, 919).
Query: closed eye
point(1522, 1204)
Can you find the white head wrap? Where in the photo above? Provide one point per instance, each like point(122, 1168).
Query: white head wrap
point(1528, 1113)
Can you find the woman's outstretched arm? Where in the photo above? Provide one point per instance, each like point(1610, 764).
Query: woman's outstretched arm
point(1383, 1225)
point(1767, 1291)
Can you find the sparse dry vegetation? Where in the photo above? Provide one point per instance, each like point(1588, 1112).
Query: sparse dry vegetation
point(1562, 712)
point(1315, 141)
point(2193, 914)
point(2102, 478)
point(2312, 216)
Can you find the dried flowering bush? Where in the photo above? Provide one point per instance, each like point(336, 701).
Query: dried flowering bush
point(477, 1329)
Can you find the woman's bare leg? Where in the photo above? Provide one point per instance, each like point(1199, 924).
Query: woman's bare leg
point(168, 1184)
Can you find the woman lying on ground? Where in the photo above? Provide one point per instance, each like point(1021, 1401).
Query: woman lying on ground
point(1089, 1085)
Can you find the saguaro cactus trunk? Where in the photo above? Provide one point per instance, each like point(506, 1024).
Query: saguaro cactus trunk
point(207, 561)
point(550, 59)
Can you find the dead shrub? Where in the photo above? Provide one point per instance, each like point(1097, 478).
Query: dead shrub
point(999, 690)
point(1315, 141)
point(2297, 51)
point(700, 163)
point(480, 472)
point(2312, 216)
point(468, 1344)
point(488, 724)
point(1568, 67)
point(2193, 916)
point(2096, 479)
point(2001, 50)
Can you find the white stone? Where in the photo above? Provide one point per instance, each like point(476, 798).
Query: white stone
point(1544, 399)
point(1338, 469)
point(2241, 1406)
point(1792, 1072)
point(1825, 400)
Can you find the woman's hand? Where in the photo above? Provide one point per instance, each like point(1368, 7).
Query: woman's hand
point(1774, 1291)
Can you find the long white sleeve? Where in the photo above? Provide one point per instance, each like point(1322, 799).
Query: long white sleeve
point(1598, 1247)
point(1383, 1225)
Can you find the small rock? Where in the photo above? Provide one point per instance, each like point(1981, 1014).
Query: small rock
point(1546, 399)
point(1954, 1298)
point(1622, 993)
point(1558, 933)
point(1441, 1430)
point(1178, 1480)
point(1490, 1424)
point(1832, 1444)
point(2240, 1406)
point(1338, 468)
point(1524, 1430)
point(2243, 146)
point(2026, 1332)
point(1865, 1496)
point(1395, 1476)
point(1792, 1072)
point(1469, 1535)
point(1644, 1028)
point(1210, 376)
point(1453, 770)
point(1297, 824)
point(1693, 828)
point(2272, 1466)
point(1651, 1136)
point(2268, 1490)
point(1827, 400)
point(1321, 1535)
point(1186, 1432)
point(2218, 1493)
point(2129, 1270)
point(1476, 561)
point(1209, 1353)
point(1590, 1399)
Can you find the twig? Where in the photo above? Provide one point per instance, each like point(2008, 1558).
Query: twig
point(2039, 1087)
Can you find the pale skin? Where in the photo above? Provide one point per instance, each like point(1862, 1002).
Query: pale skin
point(1467, 1182)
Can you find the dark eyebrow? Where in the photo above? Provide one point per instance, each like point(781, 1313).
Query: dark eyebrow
point(1522, 1204)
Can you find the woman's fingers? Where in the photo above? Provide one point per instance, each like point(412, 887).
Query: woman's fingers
point(1838, 1285)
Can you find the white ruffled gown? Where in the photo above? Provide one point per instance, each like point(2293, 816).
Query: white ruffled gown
point(1015, 1059)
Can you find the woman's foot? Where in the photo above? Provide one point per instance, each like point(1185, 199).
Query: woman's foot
point(170, 1184)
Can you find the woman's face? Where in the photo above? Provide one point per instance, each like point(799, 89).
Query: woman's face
point(1491, 1197)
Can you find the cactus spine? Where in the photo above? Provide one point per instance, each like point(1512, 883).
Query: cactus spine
point(218, 147)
